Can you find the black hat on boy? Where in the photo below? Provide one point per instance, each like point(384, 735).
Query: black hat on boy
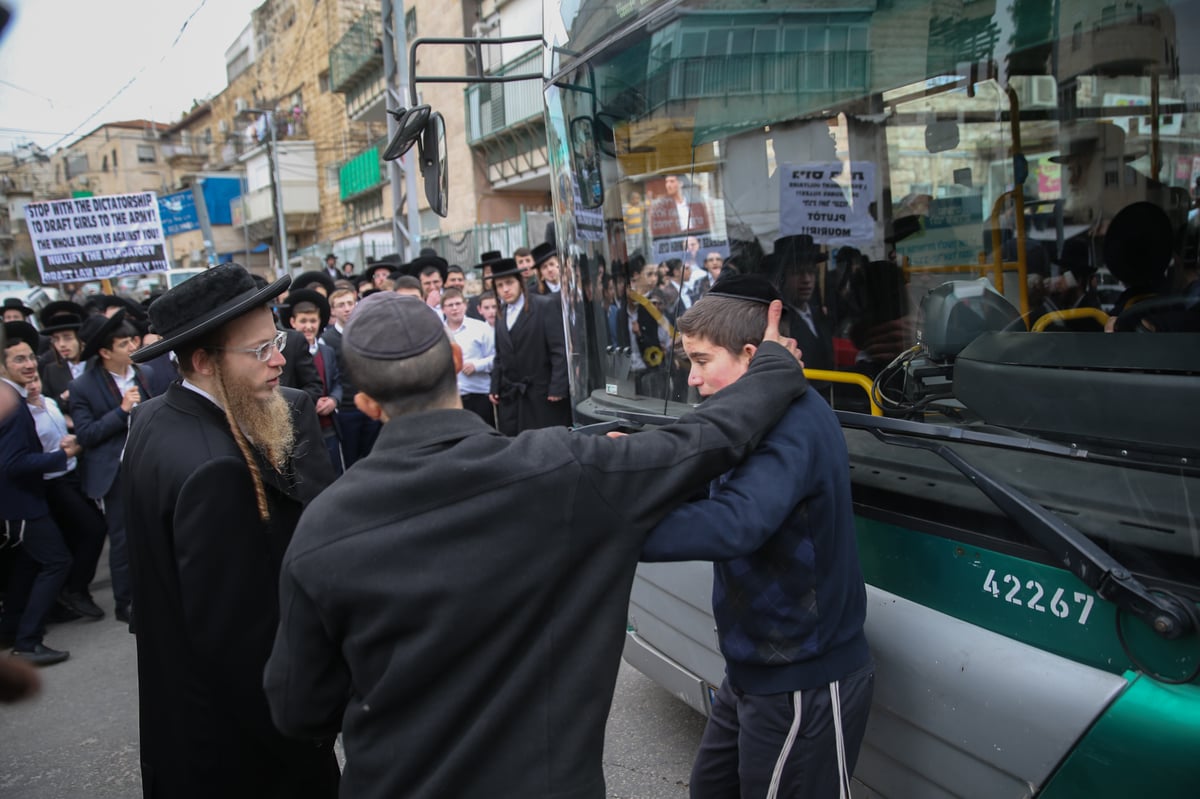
point(15, 332)
point(97, 333)
point(307, 279)
point(298, 296)
point(505, 267)
point(12, 303)
point(61, 315)
point(544, 252)
point(489, 258)
point(388, 264)
point(793, 251)
point(204, 303)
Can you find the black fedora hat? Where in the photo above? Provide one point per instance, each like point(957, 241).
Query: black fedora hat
point(296, 297)
point(428, 258)
point(16, 332)
point(505, 267)
point(799, 249)
point(307, 279)
point(97, 331)
point(204, 303)
point(544, 252)
point(489, 258)
point(14, 304)
point(61, 315)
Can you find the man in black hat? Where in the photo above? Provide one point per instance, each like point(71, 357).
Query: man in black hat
point(529, 375)
point(43, 562)
point(472, 660)
point(331, 267)
point(798, 260)
point(549, 268)
point(101, 400)
point(61, 320)
point(15, 310)
point(227, 460)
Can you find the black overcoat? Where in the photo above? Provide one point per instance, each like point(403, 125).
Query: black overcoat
point(205, 586)
point(531, 365)
point(456, 603)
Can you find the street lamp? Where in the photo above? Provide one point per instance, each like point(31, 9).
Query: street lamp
point(276, 183)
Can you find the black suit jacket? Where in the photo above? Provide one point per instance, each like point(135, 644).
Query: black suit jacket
point(56, 378)
point(22, 461)
point(205, 574)
point(299, 371)
point(817, 349)
point(101, 425)
point(531, 365)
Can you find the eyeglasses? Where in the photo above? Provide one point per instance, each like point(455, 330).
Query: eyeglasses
point(263, 351)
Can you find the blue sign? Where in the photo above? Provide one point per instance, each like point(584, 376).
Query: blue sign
point(178, 213)
point(217, 194)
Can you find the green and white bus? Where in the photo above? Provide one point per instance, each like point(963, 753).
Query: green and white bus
point(967, 178)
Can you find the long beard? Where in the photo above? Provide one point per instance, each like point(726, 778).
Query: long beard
point(266, 423)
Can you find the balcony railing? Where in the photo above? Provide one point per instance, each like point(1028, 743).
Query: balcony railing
point(361, 173)
point(827, 75)
point(493, 107)
point(300, 198)
point(357, 54)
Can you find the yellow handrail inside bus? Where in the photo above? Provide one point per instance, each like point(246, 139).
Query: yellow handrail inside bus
point(849, 378)
point(1067, 314)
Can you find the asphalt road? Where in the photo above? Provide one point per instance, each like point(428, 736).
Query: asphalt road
point(79, 737)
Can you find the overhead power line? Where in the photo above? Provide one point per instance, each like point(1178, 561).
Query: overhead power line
point(131, 81)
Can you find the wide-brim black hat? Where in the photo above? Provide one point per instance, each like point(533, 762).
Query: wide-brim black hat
point(296, 297)
point(418, 264)
point(95, 332)
point(306, 279)
point(505, 267)
point(204, 303)
point(21, 331)
point(61, 315)
point(12, 303)
point(544, 252)
point(489, 258)
point(798, 249)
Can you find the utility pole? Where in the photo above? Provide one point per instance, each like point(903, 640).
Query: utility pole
point(276, 188)
point(395, 74)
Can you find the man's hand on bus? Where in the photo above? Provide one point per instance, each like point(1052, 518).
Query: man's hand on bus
point(774, 313)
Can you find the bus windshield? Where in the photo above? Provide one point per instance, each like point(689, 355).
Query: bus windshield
point(981, 215)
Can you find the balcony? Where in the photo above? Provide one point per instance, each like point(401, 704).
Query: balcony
point(506, 126)
point(361, 174)
point(301, 194)
point(356, 69)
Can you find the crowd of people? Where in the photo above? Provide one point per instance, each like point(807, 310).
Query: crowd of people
point(413, 547)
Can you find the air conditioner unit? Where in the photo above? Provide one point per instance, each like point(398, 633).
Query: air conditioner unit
point(1044, 92)
point(240, 105)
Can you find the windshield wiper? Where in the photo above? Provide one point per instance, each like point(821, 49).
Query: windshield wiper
point(1075, 551)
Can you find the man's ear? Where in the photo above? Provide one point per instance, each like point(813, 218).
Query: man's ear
point(370, 407)
point(458, 356)
point(748, 351)
point(202, 362)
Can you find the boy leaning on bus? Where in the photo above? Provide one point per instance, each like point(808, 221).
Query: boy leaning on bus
point(788, 592)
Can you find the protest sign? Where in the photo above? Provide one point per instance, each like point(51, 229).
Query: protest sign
point(92, 238)
point(812, 203)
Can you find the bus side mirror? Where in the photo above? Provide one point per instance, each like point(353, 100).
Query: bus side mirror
point(409, 124)
point(432, 155)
